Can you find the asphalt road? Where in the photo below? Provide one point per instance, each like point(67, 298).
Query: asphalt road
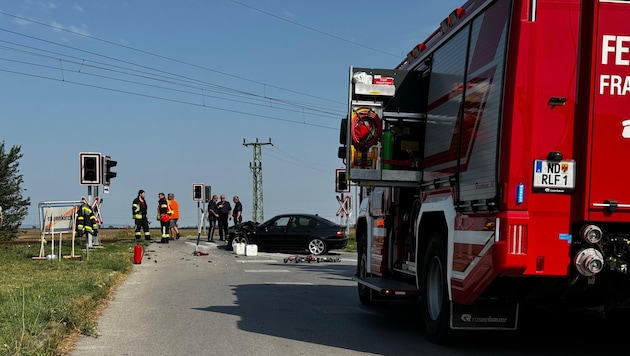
point(175, 303)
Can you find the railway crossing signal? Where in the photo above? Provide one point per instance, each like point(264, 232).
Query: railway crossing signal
point(90, 168)
point(344, 205)
point(341, 181)
point(198, 191)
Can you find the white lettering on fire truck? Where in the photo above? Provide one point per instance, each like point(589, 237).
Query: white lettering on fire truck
point(615, 45)
point(487, 319)
point(614, 84)
point(615, 49)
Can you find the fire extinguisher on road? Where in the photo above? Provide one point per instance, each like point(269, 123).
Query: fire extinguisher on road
point(137, 254)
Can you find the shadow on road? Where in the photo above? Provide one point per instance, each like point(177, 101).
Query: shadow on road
point(339, 320)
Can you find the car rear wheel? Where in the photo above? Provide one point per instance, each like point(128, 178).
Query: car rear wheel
point(317, 246)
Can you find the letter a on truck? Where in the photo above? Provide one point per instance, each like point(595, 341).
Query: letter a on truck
point(491, 165)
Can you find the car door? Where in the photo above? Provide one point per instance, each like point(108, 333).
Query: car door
point(298, 233)
point(273, 235)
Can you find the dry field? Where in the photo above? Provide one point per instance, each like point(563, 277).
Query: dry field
point(104, 234)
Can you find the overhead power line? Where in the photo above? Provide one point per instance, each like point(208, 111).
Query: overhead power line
point(201, 85)
point(167, 99)
point(200, 88)
point(156, 55)
point(314, 29)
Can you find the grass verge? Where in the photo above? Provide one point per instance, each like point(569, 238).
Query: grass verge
point(43, 302)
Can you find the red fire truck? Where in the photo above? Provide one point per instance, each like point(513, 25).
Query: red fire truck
point(482, 163)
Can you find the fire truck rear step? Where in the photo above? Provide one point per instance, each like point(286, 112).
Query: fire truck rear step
point(389, 287)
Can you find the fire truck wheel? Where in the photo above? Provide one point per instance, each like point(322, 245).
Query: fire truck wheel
point(316, 246)
point(435, 304)
point(365, 293)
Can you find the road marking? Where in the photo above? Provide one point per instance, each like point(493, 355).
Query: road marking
point(267, 270)
point(257, 261)
point(291, 283)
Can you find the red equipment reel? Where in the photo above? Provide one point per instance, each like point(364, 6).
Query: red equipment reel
point(366, 128)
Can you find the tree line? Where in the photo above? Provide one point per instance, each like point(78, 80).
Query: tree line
point(14, 206)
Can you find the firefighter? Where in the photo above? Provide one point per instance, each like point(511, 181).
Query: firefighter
point(139, 212)
point(85, 221)
point(164, 217)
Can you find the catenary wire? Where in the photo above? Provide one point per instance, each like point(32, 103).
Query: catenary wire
point(314, 29)
point(228, 90)
point(160, 56)
point(166, 99)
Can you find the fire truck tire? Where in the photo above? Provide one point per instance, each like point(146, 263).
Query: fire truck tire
point(316, 247)
point(365, 293)
point(435, 303)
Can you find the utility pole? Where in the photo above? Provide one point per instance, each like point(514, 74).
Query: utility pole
point(256, 168)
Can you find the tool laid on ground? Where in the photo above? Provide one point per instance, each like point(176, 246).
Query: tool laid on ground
point(310, 258)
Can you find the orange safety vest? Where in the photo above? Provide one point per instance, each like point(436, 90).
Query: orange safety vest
point(173, 207)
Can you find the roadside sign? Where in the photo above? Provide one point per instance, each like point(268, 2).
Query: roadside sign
point(343, 206)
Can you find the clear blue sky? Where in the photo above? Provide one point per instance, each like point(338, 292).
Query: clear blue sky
point(170, 89)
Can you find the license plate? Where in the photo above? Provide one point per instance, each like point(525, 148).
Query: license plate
point(554, 176)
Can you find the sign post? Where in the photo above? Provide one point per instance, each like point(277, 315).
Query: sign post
point(344, 209)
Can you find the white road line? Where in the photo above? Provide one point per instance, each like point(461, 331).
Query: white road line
point(291, 283)
point(257, 261)
point(267, 270)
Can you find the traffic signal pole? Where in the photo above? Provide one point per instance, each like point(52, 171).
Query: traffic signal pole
point(199, 192)
point(95, 169)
